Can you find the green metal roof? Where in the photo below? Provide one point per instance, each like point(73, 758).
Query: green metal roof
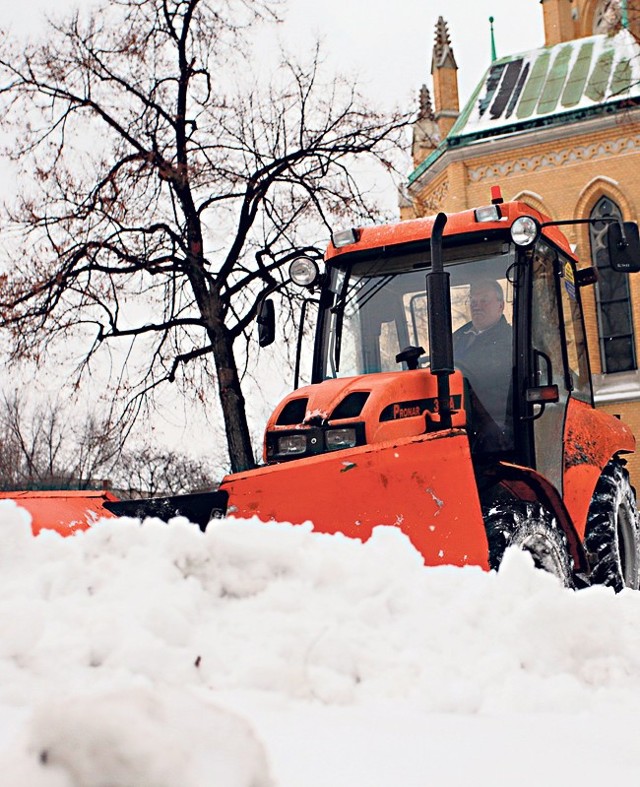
point(548, 86)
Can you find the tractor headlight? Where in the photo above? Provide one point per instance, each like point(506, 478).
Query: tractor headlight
point(292, 444)
point(335, 439)
point(525, 231)
point(488, 213)
point(344, 237)
point(303, 271)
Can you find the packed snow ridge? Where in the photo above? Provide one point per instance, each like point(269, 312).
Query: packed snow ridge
point(253, 655)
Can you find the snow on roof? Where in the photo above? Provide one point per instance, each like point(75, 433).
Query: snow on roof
point(551, 82)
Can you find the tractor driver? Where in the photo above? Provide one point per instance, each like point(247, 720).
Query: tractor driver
point(482, 350)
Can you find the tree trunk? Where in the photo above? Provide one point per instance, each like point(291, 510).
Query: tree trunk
point(233, 404)
point(208, 300)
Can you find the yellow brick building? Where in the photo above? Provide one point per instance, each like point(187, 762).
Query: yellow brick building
point(559, 128)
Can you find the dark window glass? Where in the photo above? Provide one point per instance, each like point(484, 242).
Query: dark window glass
point(613, 300)
point(619, 351)
point(578, 377)
point(615, 321)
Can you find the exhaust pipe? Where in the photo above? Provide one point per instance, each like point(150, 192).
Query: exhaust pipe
point(439, 318)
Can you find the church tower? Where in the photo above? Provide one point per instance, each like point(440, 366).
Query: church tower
point(444, 71)
point(559, 21)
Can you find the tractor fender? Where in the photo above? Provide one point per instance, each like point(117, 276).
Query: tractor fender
point(530, 486)
point(592, 438)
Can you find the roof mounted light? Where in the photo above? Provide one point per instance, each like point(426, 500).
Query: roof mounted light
point(304, 271)
point(525, 231)
point(344, 237)
point(488, 213)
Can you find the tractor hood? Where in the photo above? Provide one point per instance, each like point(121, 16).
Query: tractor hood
point(345, 412)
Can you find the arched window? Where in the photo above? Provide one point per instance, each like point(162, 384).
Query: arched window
point(613, 300)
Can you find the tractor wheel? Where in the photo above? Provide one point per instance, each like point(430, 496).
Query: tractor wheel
point(611, 541)
point(530, 527)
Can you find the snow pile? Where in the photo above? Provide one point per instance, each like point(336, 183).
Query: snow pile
point(256, 655)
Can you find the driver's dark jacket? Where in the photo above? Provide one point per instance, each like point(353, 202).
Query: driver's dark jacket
point(485, 360)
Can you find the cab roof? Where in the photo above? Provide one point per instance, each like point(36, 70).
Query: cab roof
point(462, 223)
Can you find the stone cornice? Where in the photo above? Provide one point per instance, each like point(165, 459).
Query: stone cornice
point(498, 146)
point(574, 154)
point(433, 203)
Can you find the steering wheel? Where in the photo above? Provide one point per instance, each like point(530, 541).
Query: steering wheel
point(410, 356)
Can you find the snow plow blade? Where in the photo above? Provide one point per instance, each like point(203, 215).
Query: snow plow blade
point(198, 508)
point(412, 483)
point(64, 511)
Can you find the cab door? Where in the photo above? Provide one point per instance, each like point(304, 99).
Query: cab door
point(547, 366)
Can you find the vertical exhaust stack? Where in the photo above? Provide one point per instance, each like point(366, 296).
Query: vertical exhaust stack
point(440, 334)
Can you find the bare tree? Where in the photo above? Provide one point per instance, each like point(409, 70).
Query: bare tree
point(149, 471)
point(41, 447)
point(611, 15)
point(170, 187)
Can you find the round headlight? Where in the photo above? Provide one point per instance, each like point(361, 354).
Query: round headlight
point(303, 271)
point(525, 231)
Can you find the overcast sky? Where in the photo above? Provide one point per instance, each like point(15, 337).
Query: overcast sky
point(390, 48)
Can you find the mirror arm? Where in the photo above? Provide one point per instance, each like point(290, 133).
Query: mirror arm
point(303, 313)
point(607, 219)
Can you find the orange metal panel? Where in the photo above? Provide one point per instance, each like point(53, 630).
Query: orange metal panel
point(66, 512)
point(423, 485)
point(591, 439)
point(384, 389)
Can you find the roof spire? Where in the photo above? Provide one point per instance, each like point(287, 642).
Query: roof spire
point(426, 133)
point(445, 80)
point(426, 110)
point(493, 41)
point(442, 51)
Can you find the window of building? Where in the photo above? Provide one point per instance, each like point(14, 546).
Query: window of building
point(613, 299)
point(607, 16)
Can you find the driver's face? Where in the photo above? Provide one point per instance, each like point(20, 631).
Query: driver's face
point(486, 307)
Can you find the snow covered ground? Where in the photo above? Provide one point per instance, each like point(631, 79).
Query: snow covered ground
point(256, 656)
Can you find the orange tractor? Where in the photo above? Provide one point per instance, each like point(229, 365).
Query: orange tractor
point(451, 398)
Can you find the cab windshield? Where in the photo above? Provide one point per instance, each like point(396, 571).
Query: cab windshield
point(379, 308)
point(379, 305)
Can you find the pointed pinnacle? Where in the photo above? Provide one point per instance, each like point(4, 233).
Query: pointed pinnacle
point(442, 37)
point(426, 109)
point(442, 51)
point(494, 56)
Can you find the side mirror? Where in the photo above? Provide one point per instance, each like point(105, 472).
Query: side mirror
point(266, 320)
point(624, 247)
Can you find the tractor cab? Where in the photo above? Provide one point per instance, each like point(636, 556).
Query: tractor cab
point(375, 318)
point(505, 320)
